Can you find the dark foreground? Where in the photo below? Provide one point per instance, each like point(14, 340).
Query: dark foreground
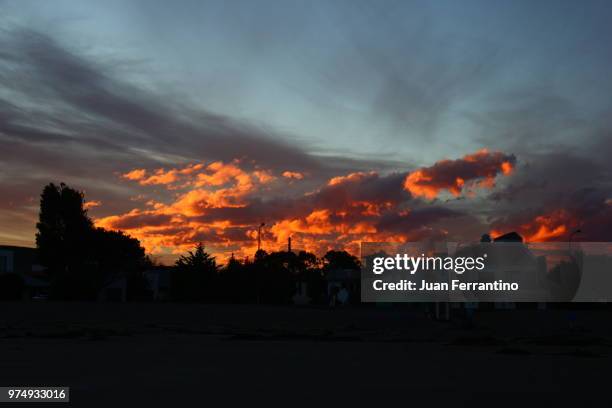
point(168, 355)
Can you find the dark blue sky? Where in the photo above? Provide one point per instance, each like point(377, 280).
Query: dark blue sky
point(380, 77)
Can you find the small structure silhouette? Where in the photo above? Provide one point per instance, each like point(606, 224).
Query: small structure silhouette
point(509, 237)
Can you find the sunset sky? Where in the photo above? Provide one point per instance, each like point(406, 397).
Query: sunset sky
point(334, 122)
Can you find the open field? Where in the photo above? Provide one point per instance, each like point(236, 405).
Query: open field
point(155, 354)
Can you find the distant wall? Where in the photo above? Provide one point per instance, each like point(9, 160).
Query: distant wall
point(17, 259)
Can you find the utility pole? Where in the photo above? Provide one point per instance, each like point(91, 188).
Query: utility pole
point(259, 235)
point(289, 244)
point(257, 272)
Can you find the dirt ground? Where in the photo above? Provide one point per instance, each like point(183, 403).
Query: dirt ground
point(174, 354)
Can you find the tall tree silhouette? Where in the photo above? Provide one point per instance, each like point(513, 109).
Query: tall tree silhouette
point(80, 258)
point(195, 276)
point(63, 229)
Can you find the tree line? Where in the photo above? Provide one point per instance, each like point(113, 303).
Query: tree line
point(271, 278)
point(81, 259)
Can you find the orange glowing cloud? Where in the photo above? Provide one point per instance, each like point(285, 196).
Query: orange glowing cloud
point(135, 175)
point(293, 175)
point(264, 176)
point(553, 226)
point(220, 173)
point(507, 168)
point(476, 170)
point(219, 189)
point(223, 203)
point(91, 204)
point(161, 176)
point(548, 227)
point(353, 177)
point(171, 227)
point(316, 223)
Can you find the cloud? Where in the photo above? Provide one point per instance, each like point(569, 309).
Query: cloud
point(67, 116)
point(367, 206)
point(136, 174)
point(91, 204)
point(224, 202)
point(553, 226)
point(552, 195)
point(477, 170)
point(131, 115)
point(293, 175)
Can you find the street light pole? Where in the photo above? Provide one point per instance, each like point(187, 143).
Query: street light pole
point(259, 235)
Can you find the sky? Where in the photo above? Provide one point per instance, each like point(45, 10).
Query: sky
point(333, 122)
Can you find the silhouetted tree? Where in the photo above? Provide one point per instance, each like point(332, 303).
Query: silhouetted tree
point(340, 260)
point(63, 229)
point(116, 254)
point(334, 260)
point(235, 285)
point(80, 258)
point(275, 276)
point(308, 260)
point(195, 276)
point(311, 273)
point(260, 255)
